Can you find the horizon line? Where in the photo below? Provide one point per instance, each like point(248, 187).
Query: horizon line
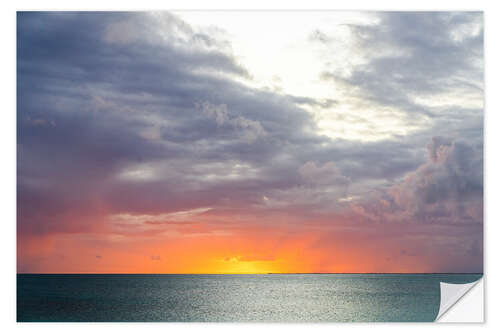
point(265, 273)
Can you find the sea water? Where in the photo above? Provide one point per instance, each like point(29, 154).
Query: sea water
point(232, 298)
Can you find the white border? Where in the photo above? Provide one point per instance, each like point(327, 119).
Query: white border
point(8, 151)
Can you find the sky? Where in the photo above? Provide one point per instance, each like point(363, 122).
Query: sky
point(249, 142)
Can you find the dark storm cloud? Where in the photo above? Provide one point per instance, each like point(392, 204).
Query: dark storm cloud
point(99, 92)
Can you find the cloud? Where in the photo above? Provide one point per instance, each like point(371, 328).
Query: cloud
point(413, 66)
point(219, 112)
point(246, 128)
point(445, 190)
point(141, 125)
point(133, 87)
point(448, 188)
point(179, 216)
point(326, 174)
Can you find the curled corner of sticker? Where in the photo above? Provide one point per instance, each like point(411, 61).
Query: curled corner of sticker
point(451, 293)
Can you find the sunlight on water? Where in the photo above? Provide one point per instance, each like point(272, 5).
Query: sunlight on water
point(232, 298)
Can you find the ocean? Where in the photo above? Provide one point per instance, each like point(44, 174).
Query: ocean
point(231, 298)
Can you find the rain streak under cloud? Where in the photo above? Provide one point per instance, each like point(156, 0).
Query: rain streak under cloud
point(240, 142)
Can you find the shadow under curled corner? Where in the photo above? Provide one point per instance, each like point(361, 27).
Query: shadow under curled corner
point(461, 302)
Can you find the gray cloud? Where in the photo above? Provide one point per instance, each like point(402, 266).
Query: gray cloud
point(141, 113)
point(447, 189)
point(416, 54)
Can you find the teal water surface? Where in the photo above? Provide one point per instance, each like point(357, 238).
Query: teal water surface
point(232, 298)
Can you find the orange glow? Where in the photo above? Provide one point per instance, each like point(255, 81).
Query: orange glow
point(265, 250)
